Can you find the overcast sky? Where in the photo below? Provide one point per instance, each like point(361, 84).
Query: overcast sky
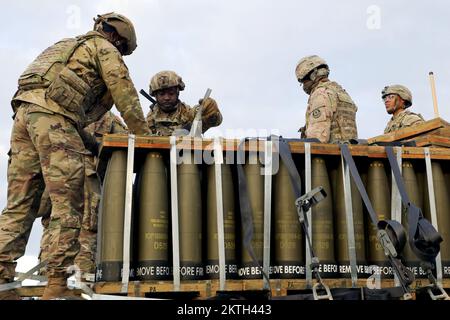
point(247, 51)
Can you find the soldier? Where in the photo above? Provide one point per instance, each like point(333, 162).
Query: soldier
point(397, 99)
point(169, 113)
point(68, 86)
point(330, 115)
point(85, 259)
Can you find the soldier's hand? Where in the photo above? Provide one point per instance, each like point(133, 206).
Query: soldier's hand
point(210, 108)
point(89, 141)
point(302, 131)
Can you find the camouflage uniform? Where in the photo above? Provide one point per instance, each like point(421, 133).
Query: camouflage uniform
point(402, 120)
point(163, 124)
point(331, 113)
point(85, 259)
point(54, 101)
point(330, 116)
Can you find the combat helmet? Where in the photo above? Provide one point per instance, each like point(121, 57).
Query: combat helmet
point(123, 26)
point(165, 79)
point(400, 90)
point(308, 64)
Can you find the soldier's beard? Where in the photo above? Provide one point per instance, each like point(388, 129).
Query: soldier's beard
point(168, 108)
point(307, 87)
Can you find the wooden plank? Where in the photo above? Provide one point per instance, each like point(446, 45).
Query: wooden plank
point(30, 291)
point(410, 131)
point(115, 141)
point(35, 291)
point(206, 288)
point(445, 132)
point(433, 140)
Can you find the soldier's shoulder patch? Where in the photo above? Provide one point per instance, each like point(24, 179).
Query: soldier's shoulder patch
point(316, 114)
point(106, 50)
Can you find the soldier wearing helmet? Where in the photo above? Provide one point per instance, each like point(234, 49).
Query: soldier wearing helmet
point(169, 113)
point(397, 99)
point(330, 115)
point(69, 85)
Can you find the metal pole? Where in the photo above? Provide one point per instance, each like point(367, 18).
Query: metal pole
point(308, 214)
point(349, 221)
point(396, 202)
point(175, 223)
point(127, 214)
point(267, 208)
point(218, 161)
point(433, 210)
point(433, 94)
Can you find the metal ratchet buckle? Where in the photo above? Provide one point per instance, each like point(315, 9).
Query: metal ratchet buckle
point(321, 286)
point(442, 294)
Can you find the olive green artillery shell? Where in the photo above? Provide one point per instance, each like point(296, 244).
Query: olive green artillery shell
point(190, 220)
point(153, 220)
point(288, 235)
point(441, 194)
point(322, 217)
point(255, 182)
point(112, 216)
point(229, 223)
point(342, 252)
point(380, 197)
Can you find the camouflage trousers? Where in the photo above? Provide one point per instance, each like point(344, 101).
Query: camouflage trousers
point(85, 259)
point(44, 147)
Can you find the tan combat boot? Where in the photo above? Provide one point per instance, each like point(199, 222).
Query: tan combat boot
point(57, 288)
point(9, 294)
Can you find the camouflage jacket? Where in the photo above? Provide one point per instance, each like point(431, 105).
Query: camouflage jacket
point(402, 120)
point(163, 124)
point(331, 113)
point(109, 123)
point(93, 78)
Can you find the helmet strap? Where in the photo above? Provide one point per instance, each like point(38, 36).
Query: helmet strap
point(397, 104)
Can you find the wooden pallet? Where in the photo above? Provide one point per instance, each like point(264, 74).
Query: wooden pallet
point(209, 288)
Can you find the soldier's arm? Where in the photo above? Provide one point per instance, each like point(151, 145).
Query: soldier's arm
point(388, 128)
point(150, 122)
point(118, 126)
point(116, 77)
point(319, 116)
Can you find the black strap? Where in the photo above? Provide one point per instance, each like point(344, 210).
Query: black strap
point(296, 184)
point(246, 209)
point(390, 233)
point(359, 184)
point(363, 142)
point(286, 156)
point(423, 237)
point(411, 143)
point(394, 227)
point(305, 140)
